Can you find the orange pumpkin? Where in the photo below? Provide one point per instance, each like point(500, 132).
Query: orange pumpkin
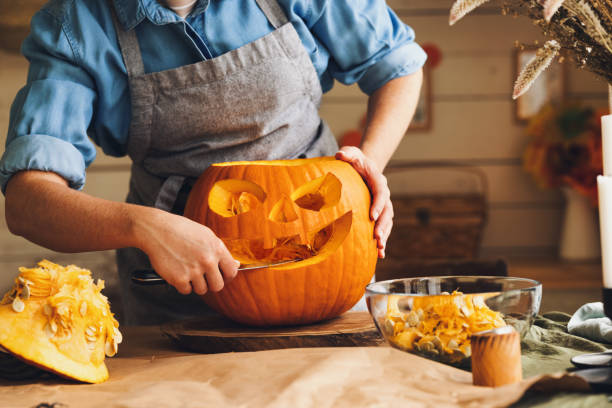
point(266, 211)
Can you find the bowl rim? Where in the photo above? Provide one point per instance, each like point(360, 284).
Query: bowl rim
point(370, 291)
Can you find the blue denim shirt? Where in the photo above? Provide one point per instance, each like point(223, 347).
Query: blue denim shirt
point(77, 90)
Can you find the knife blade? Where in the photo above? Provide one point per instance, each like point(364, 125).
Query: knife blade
point(150, 277)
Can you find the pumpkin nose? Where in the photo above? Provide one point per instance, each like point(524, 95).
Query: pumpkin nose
point(284, 211)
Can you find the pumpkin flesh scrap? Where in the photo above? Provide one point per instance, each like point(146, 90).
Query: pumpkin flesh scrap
point(322, 192)
point(253, 252)
point(445, 321)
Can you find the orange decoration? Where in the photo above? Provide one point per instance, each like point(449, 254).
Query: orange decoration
point(351, 138)
point(266, 211)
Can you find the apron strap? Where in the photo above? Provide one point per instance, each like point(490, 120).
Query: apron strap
point(130, 50)
point(273, 11)
point(169, 192)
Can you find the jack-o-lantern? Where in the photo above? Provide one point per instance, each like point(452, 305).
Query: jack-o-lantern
point(268, 211)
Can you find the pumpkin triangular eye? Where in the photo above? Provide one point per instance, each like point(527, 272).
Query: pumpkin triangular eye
point(232, 197)
point(322, 192)
point(283, 211)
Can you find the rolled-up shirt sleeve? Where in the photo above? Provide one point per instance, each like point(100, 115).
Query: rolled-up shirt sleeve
point(367, 42)
point(50, 115)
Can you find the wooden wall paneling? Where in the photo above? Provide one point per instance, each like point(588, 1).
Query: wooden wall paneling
point(476, 34)
point(468, 130)
point(538, 226)
point(507, 184)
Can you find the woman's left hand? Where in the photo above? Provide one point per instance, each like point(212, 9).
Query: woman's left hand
point(381, 210)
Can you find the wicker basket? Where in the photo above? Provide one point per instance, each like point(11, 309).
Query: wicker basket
point(437, 226)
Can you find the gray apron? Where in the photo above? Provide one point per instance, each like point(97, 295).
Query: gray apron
point(257, 102)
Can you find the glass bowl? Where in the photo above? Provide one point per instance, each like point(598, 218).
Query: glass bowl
point(434, 317)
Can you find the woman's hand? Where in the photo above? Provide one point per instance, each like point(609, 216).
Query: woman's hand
point(381, 210)
point(188, 255)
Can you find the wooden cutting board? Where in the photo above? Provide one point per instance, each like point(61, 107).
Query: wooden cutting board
point(213, 334)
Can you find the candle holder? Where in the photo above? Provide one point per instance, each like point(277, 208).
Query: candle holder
point(604, 191)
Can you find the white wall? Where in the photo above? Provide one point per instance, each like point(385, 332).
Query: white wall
point(473, 122)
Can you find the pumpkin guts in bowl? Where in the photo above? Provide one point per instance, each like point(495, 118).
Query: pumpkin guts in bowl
point(421, 316)
point(440, 326)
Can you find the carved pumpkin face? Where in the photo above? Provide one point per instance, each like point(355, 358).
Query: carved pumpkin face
point(313, 209)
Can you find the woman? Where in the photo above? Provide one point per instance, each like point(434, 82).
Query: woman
point(176, 91)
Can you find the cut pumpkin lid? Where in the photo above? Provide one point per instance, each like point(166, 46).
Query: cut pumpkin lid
point(57, 319)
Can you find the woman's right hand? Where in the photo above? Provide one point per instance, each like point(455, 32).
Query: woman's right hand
point(188, 255)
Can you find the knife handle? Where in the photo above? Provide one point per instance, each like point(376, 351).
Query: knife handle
point(147, 277)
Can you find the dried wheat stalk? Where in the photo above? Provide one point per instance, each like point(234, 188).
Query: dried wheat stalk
point(583, 27)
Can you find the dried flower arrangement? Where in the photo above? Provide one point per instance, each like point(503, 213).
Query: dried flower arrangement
point(564, 148)
point(583, 27)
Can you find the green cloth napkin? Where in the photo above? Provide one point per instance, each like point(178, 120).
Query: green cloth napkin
point(591, 322)
point(547, 348)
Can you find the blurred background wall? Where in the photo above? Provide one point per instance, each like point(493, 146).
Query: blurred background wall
point(473, 123)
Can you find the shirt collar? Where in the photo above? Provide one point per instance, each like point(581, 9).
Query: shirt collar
point(131, 12)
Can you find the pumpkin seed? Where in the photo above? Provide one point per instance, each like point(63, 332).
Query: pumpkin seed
point(18, 305)
point(117, 336)
point(458, 355)
point(458, 301)
point(427, 346)
point(47, 310)
point(420, 314)
point(445, 293)
point(83, 308)
point(53, 326)
point(437, 343)
point(452, 344)
point(92, 339)
point(110, 348)
point(48, 331)
point(91, 346)
point(468, 351)
point(413, 319)
point(478, 302)
point(10, 297)
point(89, 331)
point(466, 312)
point(25, 293)
point(405, 304)
point(389, 327)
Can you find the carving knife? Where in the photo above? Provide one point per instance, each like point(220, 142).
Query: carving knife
point(150, 277)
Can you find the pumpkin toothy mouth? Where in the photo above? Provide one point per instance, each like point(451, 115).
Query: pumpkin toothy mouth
point(318, 246)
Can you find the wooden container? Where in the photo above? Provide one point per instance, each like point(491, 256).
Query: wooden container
point(430, 227)
point(441, 225)
point(496, 357)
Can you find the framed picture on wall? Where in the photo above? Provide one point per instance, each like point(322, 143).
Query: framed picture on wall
point(549, 87)
point(423, 115)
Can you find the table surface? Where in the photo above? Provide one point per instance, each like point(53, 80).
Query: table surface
point(144, 345)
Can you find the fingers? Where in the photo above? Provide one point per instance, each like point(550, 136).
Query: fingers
point(373, 177)
point(198, 282)
point(380, 195)
point(214, 278)
point(228, 265)
point(182, 284)
point(383, 227)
